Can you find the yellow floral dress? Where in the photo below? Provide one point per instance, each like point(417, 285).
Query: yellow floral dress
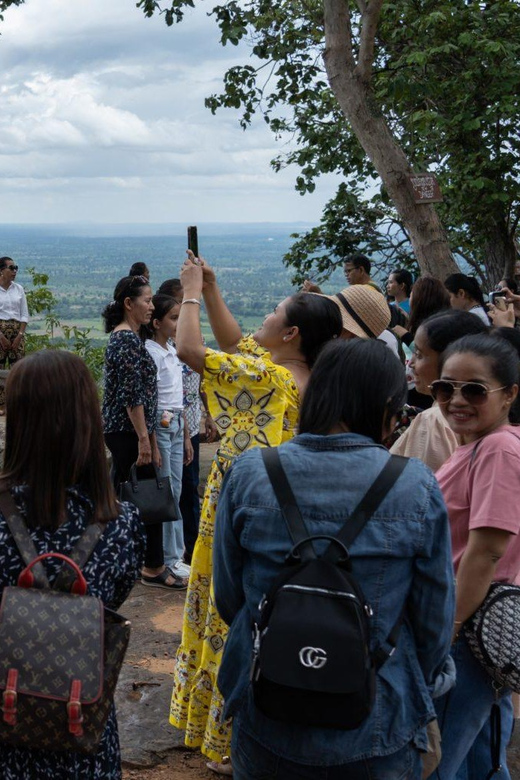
point(254, 402)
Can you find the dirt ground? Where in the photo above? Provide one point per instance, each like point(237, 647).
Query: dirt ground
point(151, 748)
point(183, 765)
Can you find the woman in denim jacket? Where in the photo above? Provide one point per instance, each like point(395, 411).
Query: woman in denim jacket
point(401, 557)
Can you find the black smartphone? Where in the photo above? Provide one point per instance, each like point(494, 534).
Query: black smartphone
point(193, 240)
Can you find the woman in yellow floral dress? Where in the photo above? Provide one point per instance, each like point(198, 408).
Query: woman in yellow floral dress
point(253, 387)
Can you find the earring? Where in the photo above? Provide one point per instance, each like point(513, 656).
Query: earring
point(286, 338)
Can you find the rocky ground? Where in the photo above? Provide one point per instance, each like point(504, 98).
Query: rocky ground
point(152, 749)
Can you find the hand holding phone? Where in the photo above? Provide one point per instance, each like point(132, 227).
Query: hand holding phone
point(495, 295)
point(502, 314)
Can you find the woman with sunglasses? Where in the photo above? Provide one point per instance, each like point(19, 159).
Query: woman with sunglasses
point(429, 436)
point(478, 384)
point(14, 316)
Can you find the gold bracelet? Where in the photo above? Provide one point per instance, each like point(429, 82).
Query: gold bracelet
point(191, 300)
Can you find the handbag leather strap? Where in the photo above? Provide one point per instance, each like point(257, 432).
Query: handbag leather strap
point(80, 553)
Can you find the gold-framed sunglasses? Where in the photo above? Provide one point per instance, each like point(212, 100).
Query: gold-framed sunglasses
point(475, 393)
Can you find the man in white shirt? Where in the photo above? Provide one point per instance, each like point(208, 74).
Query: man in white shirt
point(14, 316)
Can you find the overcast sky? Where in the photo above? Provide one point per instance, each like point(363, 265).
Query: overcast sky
point(102, 119)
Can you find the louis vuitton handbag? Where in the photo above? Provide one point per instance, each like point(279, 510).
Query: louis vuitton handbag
point(152, 496)
point(60, 650)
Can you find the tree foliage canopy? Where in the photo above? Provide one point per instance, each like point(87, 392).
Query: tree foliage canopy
point(446, 76)
point(4, 5)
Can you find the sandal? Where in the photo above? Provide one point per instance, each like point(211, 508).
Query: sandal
point(222, 768)
point(160, 581)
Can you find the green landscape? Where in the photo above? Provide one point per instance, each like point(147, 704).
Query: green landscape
point(83, 268)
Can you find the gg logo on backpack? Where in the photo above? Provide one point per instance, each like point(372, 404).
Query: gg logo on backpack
point(313, 657)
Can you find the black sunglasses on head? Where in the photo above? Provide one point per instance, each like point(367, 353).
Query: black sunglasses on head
point(474, 393)
point(11, 267)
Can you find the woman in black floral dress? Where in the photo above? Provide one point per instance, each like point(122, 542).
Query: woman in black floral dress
point(56, 469)
point(130, 406)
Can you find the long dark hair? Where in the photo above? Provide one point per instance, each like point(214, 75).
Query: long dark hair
point(162, 304)
point(447, 326)
point(359, 383)
point(127, 287)
point(429, 297)
point(318, 320)
point(54, 436)
point(469, 284)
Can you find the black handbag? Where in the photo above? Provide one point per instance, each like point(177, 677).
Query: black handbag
point(152, 496)
point(61, 650)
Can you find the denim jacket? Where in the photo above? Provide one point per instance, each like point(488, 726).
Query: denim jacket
point(402, 555)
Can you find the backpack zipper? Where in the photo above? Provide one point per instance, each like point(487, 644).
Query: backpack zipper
point(327, 592)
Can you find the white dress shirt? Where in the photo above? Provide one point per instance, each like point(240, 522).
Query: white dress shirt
point(169, 375)
point(13, 303)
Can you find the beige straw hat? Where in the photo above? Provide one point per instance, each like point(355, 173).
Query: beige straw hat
point(364, 311)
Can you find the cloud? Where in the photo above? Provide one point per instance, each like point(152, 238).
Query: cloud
point(103, 110)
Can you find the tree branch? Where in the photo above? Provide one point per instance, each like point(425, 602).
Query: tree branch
point(338, 37)
point(369, 22)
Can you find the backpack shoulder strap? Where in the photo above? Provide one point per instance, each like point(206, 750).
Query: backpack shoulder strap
point(385, 480)
point(375, 494)
point(80, 554)
point(20, 534)
point(287, 501)
point(387, 648)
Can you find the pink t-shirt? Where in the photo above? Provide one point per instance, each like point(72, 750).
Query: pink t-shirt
point(482, 490)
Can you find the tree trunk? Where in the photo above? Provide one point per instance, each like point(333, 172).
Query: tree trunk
point(350, 85)
point(500, 254)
